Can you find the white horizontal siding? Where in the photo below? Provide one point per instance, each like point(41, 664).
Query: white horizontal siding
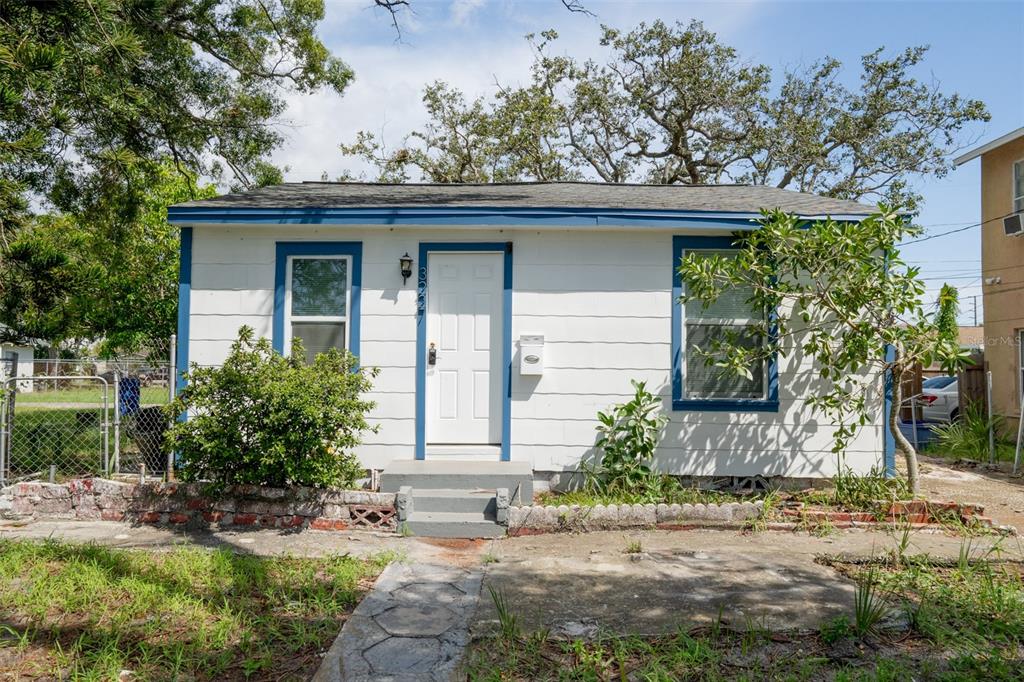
point(603, 302)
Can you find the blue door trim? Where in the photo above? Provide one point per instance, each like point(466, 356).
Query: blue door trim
point(888, 439)
point(421, 338)
point(184, 308)
point(286, 249)
point(679, 403)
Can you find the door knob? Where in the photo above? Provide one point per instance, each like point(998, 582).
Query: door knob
point(432, 355)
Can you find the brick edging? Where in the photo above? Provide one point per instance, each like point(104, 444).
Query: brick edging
point(186, 504)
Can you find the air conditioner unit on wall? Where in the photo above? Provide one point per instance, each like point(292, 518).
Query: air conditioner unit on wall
point(1013, 225)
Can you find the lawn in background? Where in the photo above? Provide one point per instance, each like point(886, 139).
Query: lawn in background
point(91, 394)
point(90, 612)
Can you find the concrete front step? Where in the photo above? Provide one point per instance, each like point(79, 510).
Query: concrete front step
point(453, 525)
point(436, 474)
point(447, 500)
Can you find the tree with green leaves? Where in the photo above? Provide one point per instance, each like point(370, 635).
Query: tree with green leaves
point(949, 308)
point(97, 273)
point(836, 293)
point(90, 85)
point(96, 98)
point(672, 104)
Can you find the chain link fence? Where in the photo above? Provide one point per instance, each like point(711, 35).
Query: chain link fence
point(83, 417)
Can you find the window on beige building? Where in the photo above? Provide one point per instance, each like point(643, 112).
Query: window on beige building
point(1018, 186)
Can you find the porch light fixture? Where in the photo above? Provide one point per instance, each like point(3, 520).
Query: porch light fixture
point(405, 263)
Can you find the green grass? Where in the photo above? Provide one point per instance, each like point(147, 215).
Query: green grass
point(91, 393)
point(966, 623)
point(84, 612)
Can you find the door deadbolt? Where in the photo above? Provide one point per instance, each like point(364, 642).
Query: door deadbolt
point(432, 355)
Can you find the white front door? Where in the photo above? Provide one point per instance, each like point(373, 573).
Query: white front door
point(464, 326)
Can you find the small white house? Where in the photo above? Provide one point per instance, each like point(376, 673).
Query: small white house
point(504, 317)
point(17, 361)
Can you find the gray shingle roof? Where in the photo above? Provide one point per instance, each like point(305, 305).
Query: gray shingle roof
point(589, 195)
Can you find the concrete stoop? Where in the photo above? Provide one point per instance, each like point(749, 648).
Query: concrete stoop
point(448, 499)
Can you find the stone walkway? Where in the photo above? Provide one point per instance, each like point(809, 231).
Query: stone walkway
point(413, 626)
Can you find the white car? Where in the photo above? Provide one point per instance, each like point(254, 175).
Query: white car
point(939, 399)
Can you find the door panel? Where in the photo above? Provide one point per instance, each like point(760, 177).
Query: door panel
point(464, 322)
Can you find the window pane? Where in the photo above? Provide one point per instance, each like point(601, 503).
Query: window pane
point(319, 337)
point(1018, 186)
point(707, 381)
point(731, 305)
point(319, 286)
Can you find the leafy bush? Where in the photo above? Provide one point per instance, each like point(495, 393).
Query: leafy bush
point(264, 419)
point(627, 437)
point(968, 436)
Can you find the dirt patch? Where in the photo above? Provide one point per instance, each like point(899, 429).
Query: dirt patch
point(1001, 493)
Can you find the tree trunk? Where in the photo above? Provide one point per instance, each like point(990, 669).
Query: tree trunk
point(902, 444)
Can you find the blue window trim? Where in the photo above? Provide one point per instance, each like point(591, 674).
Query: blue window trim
point(184, 308)
point(426, 248)
point(679, 403)
point(287, 249)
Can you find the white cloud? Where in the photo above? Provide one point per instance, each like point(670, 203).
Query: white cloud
point(463, 10)
point(385, 97)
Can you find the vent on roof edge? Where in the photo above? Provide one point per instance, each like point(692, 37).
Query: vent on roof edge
point(1013, 225)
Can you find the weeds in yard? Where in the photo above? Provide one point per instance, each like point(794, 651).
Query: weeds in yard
point(489, 558)
point(633, 547)
point(856, 492)
point(507, 619)
point(836, 630)
point(966, 625)
point(89, 612)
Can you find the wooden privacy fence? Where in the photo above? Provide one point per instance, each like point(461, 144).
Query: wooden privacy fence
point(970, 386)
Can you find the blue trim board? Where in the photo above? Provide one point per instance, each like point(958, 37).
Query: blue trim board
point(888, 439)
point(184, 308)
point(475, 216)
point(426, 248)
point(286, 249)
point(679, 403)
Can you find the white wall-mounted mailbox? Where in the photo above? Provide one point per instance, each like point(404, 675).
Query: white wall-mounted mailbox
point(531, 354)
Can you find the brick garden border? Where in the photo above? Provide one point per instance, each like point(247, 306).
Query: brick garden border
point(181, 504)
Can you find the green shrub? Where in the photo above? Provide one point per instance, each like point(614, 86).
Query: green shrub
point(627, 437)
point(264, 419)
point(967, 437)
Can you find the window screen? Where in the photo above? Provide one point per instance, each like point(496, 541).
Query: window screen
point(728, 319)
point(319, 304)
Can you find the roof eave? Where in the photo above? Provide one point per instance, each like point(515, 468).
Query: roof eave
point(988, 146)
point(478, 216)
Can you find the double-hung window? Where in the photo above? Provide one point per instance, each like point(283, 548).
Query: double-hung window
point(1018, 186)
point(698, 336)
point(316, 296)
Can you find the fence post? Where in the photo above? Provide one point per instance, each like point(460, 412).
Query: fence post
point(1020, 434)
point(991, 430)
point(172, 376)
point(117, 421)
point(105, 428)
point(913, 419)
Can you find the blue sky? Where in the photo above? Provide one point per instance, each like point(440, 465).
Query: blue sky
point(977, 50)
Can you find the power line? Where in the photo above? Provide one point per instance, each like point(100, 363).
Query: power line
point(959, 229)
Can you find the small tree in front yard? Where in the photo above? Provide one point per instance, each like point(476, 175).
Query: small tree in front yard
point(264, 419)
point(839, 294)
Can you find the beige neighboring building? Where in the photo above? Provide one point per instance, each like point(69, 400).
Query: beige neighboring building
point(1002, 266)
